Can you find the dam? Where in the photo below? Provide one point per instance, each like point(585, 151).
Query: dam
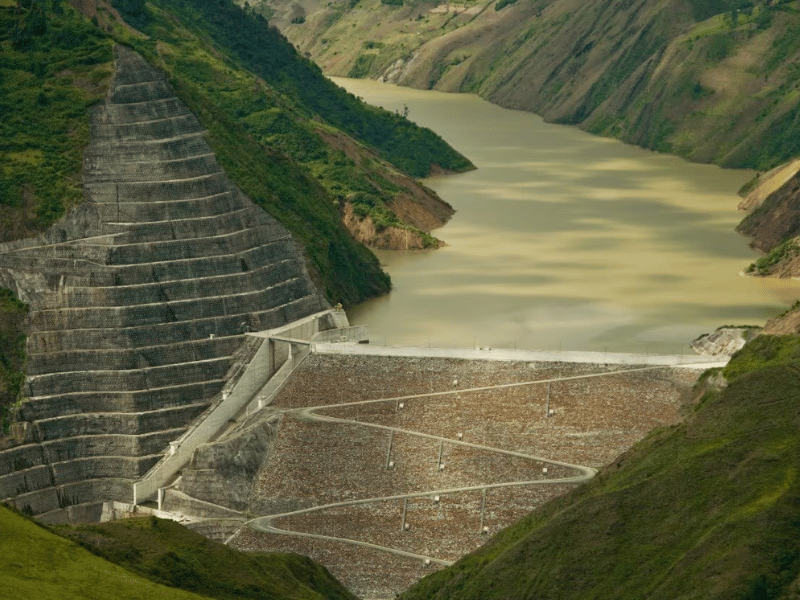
point(182, 363)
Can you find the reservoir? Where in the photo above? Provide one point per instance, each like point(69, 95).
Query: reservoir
point(564, 240)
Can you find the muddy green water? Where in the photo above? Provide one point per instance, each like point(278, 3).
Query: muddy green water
point(566, 240)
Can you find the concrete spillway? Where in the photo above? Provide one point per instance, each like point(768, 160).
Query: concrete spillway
point(139, 300)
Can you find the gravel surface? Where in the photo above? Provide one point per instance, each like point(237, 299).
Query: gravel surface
point(594, 420)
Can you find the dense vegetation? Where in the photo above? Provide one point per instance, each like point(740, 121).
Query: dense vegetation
point(267, 128)
point(36, 563)
point(154, 559)
point(706, 509)
point(12, 354)
point(261, 49)
point(170, 554)
point(785, 251)
point(53, 65)
point(296, 106)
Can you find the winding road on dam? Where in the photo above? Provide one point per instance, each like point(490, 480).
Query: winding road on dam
point(266, 524)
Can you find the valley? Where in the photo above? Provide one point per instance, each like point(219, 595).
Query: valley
point(187, 209)
point(566, 240)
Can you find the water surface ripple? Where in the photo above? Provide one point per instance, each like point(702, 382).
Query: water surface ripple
point(566, 240)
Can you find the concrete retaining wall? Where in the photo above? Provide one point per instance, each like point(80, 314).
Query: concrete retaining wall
point(139, 301)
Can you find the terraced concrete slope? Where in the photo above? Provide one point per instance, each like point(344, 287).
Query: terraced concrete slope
point(139, 299)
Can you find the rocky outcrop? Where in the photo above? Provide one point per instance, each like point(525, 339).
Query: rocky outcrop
point(777, 218)
point(725, 341)
point(139, 299)
point(223, 472)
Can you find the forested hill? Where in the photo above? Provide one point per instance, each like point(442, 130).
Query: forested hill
point(710, 80)
point(268, 113)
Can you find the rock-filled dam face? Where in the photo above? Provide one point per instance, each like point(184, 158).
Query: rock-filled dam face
point(139, 301)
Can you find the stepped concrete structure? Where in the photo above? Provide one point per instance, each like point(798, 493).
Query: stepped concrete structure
point(140, 300)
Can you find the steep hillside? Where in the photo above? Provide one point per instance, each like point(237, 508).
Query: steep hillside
point(170, 554)
point(39, 564)
point(710, 80)
point(159, 559)
point(774, 222)
point(706, 509)
point(282, 151)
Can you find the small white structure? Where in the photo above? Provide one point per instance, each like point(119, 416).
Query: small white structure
point(436, 499)
point(544, 470)
point(460, 436)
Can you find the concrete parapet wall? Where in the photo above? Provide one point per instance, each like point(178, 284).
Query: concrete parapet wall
point(132, 380)
point(27, 480)
point(179, 310)
point(151, 170)
point(172, 333)
point(132, 358)
point(36, 502)
point(240, 282)
point(117, 444)
point(140, 401)
point(201, 186)
point(358, 334)
point(104, 423)
point(81, 469)
point(20, 458)
point(145, 91)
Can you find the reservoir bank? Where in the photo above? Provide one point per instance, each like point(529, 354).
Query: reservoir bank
point(564, 240)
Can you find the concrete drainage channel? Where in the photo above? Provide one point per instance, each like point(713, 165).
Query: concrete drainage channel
point(280, 351)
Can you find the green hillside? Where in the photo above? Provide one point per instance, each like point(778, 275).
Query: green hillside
point(706, 509)
point(53, 65)
point(35, 563)
point(242, 79)
point(160, 560)
point(171, 554)
point(709, 80)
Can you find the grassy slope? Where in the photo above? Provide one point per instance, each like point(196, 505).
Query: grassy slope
point(171, 554)
point(706, 509)
point(679, 76)
point(53, 65)
point(35, 563)
point(160, 560)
